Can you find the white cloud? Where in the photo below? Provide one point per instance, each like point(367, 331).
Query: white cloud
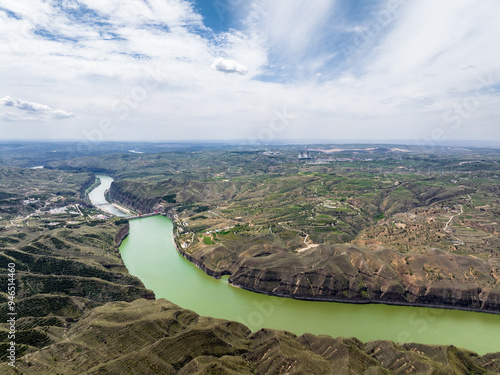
point(59, 114)
point(145, 67)
point(229, 66)
point(37, 111)
point(8, 101)
point(24, 105)
point(432, 43)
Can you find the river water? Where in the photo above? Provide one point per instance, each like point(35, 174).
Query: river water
point(149, 253)
point(98, 199)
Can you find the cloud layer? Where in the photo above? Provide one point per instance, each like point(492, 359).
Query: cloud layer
point(31, 111)
point(153, 70)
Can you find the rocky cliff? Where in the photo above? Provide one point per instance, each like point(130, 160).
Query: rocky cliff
point(122, 233)
point(346, 273)
point(88, 183)
point(132, 195)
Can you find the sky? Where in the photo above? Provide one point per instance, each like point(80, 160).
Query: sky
point(252, 70)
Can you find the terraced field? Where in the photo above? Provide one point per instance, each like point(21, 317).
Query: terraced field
point(412, 227)
point(257, 212)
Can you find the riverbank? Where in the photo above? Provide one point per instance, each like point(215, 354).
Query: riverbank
point(405, 259)
point(493, 308)
point(160, 269)
point(458, 299)
point(122, 234)
point(96, 182)
point(365, 302)
point(98, 198)
point(297, 278)
point(198, 345)
point(165, 270)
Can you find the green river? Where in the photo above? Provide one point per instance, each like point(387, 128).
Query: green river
point(149, 253)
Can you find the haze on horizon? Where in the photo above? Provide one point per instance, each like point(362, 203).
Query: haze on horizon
point(261, 70)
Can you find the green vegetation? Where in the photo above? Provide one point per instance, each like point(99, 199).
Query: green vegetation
point(164, 339)
point(208, 241)
point(384, 203)
point(60, 274)
point(29, 191)
point(359, 224)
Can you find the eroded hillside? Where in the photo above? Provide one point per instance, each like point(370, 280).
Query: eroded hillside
point(158, 337)
point(289, 227)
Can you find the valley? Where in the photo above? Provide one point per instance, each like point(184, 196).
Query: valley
point(334, 230)
point(410, 228)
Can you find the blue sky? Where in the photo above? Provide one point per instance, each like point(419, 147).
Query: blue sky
point(256, 70)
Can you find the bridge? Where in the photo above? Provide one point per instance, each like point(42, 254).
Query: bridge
point(141, 216)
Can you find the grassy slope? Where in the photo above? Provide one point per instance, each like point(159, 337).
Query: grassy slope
point(153, 337)
point(74, 318)
point(60, 274)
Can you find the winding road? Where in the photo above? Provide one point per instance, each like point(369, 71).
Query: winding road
point(448, 223)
